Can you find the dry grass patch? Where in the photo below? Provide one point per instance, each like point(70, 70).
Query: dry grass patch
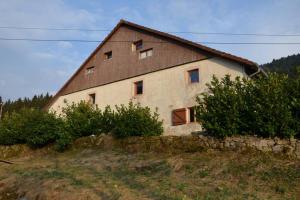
point(99, 174)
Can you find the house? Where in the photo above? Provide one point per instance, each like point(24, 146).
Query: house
point(153, 68)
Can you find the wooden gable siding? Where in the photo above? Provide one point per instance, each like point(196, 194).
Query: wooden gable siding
point(125, 63)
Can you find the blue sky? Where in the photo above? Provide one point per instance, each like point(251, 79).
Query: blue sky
point(29, 68)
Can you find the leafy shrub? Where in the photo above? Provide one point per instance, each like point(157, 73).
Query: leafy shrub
point(33, 127)
point(269, 104)
point(219, 110)
point(107, 120)
point(10, 127)
point(266, 107)
point(82, 119)
point(40, 128)
point(135, 120)
point(63, 141)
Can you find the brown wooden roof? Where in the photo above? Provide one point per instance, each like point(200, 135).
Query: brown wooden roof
point(121, 68)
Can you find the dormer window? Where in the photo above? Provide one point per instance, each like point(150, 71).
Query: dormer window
point(146, 53)
point(90, 70)
point(138, 45)
point(108, 55)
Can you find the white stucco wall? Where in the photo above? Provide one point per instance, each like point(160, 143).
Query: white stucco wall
point(166, 90)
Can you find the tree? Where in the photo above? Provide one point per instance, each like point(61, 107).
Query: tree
point(37, 102)
point(268, 107)
point(1, 104)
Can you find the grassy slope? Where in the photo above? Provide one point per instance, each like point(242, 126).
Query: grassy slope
point(97, 174)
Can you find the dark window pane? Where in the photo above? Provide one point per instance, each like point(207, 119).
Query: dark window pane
point(194, 76)
point(93, 98)
point(192, 114)
point(139, 87)
point(139, 45)
point(90, 70)
point(108, 55)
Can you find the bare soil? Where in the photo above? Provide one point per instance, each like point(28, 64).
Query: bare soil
point(111, 175)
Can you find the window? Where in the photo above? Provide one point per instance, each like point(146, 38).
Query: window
point(179, 117)
point(90, 70)
point(138, 45)
point(193, 76)
point(146, 53)
point(192, 114)
point(138, 87)
point(108, 55)
point(92, 98)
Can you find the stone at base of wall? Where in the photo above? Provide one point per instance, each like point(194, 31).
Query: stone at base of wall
point(192, 143)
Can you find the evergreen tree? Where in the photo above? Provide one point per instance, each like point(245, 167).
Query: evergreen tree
point(37, 101)
point(285, 65)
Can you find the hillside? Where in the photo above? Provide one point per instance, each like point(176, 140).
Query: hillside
point(114, 174)
point(286, 65)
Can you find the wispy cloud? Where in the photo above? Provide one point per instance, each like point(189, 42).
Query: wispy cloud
point(28, 68)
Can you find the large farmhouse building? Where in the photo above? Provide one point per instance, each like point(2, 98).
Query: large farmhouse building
point(155, 69)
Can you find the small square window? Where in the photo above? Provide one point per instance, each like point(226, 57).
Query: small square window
point(90, 70)
point(192, 114)
point(193, 76)
point(146, 53)
point(92, 98)
point(138, 88)
point(108, 55)
point(138, 45)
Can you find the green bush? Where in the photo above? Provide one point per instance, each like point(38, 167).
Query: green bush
point(40, 128)
point(267, 107)
point(37, 128)
point(63, 141)
point(269, 103)
point(107, 120)
point(10, 127)
point(135, 120)
point(33, 127)
point(82, 119)
point(219, 110)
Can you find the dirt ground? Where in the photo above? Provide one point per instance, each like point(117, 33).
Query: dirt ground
point(110, 175)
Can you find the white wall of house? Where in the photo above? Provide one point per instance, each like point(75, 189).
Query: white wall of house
point(165, 90)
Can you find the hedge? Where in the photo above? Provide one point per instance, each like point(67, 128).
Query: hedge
point(38, 128)
point(264, 106)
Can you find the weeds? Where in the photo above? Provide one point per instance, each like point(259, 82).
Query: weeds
point(110, 175)
point(51, 174)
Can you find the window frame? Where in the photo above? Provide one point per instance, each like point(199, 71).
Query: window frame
point(146, 51)
point(189, 73)
point(194, 114)
point(108, 55)
point(90, 70)
point(92, 98)
point(136, 88)
point(137, 47)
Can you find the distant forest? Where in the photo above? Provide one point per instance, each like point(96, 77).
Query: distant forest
point(289, 65)
point(37, 101)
